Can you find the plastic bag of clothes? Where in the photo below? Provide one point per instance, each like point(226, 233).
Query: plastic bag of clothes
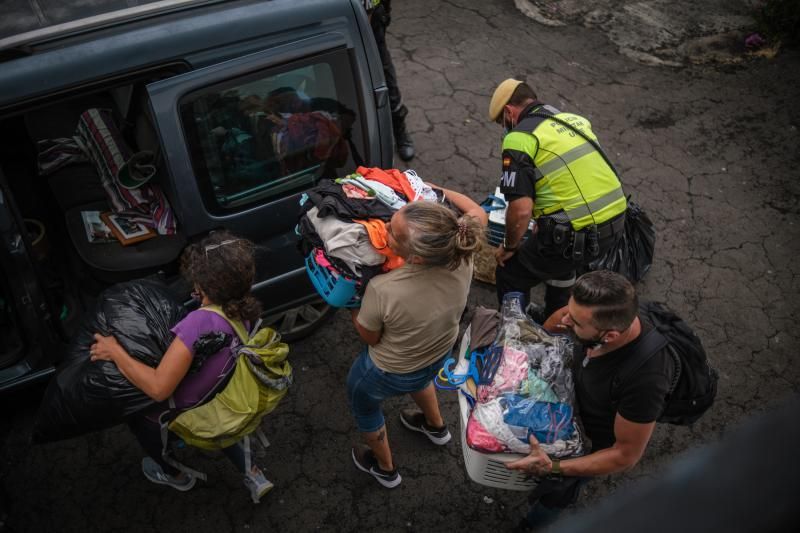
point(525, 389)
point(632, 255)
point(86, 396)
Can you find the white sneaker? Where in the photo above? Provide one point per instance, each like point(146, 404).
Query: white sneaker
point(258, 485)
point(419, 187)
point(156, 474)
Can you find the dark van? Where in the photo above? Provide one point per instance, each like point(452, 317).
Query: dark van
point(238, 107)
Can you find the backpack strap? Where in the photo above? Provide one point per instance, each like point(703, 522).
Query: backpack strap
point(652, 342)
point(241, 332)
point(237, 325)
point(164, 429)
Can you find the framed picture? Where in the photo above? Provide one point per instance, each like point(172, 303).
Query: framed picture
point(125, 230)
point(97, 231)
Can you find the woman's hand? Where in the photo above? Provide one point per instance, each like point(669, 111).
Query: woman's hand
point(105, 348)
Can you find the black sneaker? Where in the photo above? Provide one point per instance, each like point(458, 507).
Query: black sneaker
point(415, 421)
point(365, 461)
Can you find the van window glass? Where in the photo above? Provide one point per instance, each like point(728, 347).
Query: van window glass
point(274, 133)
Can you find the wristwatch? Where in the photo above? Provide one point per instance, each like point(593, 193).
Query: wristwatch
point(508, 248)
point(555, 469)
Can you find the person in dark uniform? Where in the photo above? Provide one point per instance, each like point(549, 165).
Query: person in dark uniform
point(602, 316)
point(554, 172)
point(380, 16)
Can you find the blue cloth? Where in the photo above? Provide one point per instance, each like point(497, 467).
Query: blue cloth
point(368, 386)
point(546, 421)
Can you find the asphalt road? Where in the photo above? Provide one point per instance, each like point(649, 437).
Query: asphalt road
point(712, 152)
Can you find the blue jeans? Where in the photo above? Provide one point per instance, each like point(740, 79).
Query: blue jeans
point(368, 386)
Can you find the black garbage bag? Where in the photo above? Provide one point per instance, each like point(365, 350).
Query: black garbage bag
point(86, 396)
point(632, 255)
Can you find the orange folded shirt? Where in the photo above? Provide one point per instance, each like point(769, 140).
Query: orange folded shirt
point(376, 229)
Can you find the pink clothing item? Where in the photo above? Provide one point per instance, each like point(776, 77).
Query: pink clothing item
point(351, 191)
point(322, 260)
point(513, 370)
point(478, 438)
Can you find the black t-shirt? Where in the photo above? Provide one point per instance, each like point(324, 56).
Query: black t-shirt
point(641, 397)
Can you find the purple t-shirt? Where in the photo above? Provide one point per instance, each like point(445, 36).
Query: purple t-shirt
point(195, 386)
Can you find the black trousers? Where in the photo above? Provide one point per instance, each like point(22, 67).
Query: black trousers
point(380, 21)
point(557, 494)
point(148, 433)
point(535, 263)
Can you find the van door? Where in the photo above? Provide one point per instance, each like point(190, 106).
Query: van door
point(30, 340)
point(244, 138)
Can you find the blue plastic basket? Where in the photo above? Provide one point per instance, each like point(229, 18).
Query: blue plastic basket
point(338, 292)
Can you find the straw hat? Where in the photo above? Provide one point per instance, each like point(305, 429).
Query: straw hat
point(501, 97)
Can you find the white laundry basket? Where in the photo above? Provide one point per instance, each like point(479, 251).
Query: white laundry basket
point(488, 468)
point(497, 221)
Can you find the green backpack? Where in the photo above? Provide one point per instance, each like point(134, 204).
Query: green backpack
point(260, 379)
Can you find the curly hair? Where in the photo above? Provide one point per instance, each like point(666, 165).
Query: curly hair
point(223, 266)
point(440, 238)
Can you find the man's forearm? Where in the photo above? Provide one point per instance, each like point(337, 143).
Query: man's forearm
point(518, 216)
point(607, 461)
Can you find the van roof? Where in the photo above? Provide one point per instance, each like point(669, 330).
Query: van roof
point(194, 33)
point(26, 22)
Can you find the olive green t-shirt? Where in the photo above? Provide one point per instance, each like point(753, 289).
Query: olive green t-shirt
point(417, 308)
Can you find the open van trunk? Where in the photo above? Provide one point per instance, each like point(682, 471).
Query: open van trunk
point(54, 205)
point(27, 322)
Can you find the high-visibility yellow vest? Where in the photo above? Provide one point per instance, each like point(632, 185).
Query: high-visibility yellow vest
point(571, 175)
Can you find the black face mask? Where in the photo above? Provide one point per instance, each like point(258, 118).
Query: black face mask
point(506, 126)
point(590, 344)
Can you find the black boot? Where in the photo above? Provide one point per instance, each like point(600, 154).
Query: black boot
point(402, 140)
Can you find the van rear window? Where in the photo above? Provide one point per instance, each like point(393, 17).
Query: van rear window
point(273, 133)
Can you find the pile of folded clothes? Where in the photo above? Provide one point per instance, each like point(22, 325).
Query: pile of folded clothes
point(520, 385)
point(342, 225)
